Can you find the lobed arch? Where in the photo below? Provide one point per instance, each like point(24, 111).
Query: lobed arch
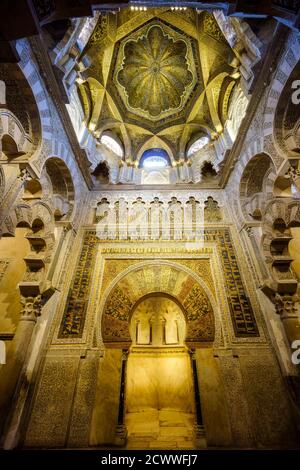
point(28, 68)
point(56, 184)
point(279, 209)
point(102, 172)
point(279, 218)
point(255, 172)
point(256, 185)
point(284, 186)
point(287, 116)
point(15, 141)
point(63, 188)
point(271, 126)
point(113, 331)
point(25, 214)
point(19, 107)
point(37, 218)
point(32, 189)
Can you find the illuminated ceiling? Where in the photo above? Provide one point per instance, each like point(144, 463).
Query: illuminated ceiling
point(156, 73)
point(157, 78)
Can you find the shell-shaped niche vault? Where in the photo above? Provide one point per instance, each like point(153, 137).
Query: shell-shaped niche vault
point(157, 321)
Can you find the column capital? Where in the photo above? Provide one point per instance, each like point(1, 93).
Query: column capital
point(292, 173)
point(125, 353)
point(66, 225)
point(250, 232)
point(192, 353)
point(249, 227)
point(31, 307)
point(24, 175)
point(285, 306)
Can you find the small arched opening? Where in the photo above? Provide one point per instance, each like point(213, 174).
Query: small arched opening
point(101, 173)
point(62, 187)
point(32, 189)
point(9, 147)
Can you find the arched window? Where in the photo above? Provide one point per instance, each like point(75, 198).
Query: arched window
point(197, 145)
point(154, 159)
point(112, 144)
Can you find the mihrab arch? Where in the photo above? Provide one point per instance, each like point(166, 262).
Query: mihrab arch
point(160, 279)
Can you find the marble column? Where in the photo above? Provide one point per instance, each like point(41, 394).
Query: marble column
point(198, 426)
point(257, 252)
point(31, 309)
point(121, 430)
point(13, 192)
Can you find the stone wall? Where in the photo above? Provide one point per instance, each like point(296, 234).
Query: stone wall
point(244, 399)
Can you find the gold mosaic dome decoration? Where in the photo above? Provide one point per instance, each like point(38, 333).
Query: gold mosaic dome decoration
point(156, 78)
point(155, 73)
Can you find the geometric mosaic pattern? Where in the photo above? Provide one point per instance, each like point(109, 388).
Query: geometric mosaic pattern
point(242, 315)
point(74, 315)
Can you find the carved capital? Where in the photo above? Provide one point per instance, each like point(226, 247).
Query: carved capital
point(24, 175)
point(192, 353)
point(292, 173)
point(285, 305)
point(250, 232)
point(125, 353)
point(31, 307)
point(66, 225)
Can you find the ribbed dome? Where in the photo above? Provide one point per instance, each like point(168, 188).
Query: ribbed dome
point(155, 73)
